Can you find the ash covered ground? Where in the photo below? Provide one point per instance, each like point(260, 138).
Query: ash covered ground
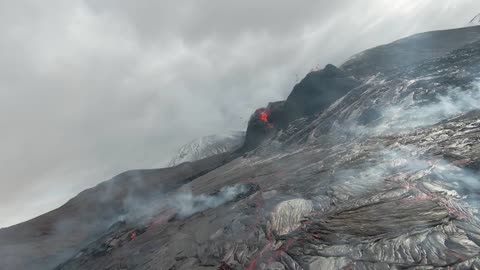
point(370, 165)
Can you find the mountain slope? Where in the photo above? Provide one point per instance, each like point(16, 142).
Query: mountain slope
point(475, 21)
point(410, 51)
point(208, 146)
point(384, 176)
point(44, 242)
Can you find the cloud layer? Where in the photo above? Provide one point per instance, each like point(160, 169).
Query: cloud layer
point(89, 88)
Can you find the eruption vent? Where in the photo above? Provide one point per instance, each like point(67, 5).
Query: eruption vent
point(262, 115)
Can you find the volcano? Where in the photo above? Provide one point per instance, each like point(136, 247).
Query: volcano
point(374, 164)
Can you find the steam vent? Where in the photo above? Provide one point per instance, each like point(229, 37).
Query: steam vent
point(374, 164)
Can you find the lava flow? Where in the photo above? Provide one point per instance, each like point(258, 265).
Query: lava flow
point(262, 115)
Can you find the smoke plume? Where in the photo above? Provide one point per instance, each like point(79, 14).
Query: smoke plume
point(188, 204)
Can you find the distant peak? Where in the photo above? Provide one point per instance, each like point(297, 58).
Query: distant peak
point(208, 146)
point(475, 20)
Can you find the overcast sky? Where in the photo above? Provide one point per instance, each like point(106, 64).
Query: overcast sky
point(91, 88)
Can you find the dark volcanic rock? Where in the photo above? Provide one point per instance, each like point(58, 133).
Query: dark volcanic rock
point(317, 91)
point(43, 242)
point(382, 174)
point(314, 94)
point(410, 51)
point(259, 128)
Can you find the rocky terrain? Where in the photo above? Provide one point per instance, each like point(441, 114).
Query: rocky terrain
point(370, 165)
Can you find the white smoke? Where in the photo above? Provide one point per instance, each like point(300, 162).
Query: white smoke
point(408, 167)
point(188, 204)
point(409, 115)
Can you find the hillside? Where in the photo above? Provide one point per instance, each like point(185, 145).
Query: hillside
point(370, 165)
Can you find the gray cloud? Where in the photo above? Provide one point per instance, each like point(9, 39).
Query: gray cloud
point(89, 89)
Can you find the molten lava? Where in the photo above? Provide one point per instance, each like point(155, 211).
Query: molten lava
point(262, 115)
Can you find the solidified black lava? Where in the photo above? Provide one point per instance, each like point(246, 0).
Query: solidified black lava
point(374, 165)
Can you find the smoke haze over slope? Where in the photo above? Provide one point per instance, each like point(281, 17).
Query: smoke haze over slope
point(89, 89)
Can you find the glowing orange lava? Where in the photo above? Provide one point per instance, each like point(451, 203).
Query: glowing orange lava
point(263, 116)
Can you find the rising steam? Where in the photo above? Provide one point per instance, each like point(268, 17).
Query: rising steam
point(409, 115)
point(187, 204)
